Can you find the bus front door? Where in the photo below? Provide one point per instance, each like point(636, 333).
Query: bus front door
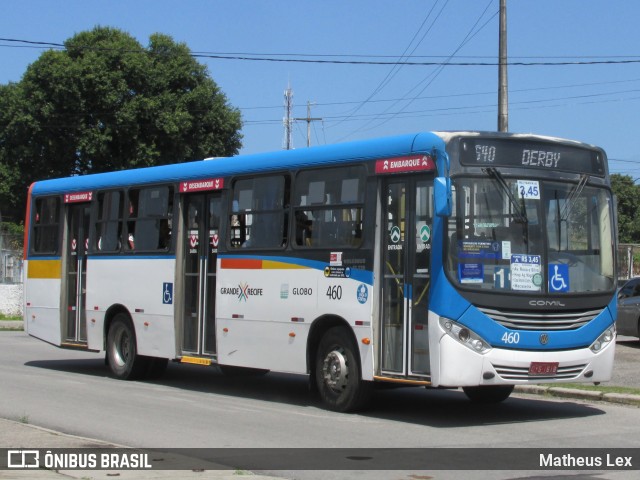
point(74, 311)
point(406, 264)
point(202, 223)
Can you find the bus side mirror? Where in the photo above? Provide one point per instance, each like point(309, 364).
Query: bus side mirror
point(442, 194)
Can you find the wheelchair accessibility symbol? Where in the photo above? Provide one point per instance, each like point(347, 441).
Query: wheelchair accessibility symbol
point(558, 277)
point(167, 293)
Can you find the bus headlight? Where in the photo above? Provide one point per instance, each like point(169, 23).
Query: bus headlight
point(463, 335)
point(604, 339)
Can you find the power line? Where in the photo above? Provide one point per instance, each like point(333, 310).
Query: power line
point(463, 94)
point(598, 60)
point(637, 162)
point(521, 105)
point(428, 64)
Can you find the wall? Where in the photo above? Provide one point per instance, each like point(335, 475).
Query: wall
point(11, 299)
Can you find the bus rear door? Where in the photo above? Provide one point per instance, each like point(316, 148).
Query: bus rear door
point(74, 328)
point(200, 249)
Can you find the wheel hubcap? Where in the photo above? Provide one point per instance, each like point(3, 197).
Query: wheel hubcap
point(335, 371)
point(121, 348)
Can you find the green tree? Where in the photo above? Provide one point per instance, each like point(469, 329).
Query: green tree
point(14, 141)
point(12, 236)
point(105, 103)
point(628, 206)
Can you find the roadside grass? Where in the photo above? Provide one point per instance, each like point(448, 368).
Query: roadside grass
point(5, 326)
point(596, 388)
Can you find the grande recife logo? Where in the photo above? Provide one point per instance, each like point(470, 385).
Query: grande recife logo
point(243, 291)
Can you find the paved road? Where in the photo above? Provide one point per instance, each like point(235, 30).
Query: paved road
point(626, 372)
point(196, 407)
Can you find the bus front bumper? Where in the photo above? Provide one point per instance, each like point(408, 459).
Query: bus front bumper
point(456, 365)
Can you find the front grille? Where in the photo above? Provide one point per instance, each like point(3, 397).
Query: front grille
point(566, 372)
point(515, 320)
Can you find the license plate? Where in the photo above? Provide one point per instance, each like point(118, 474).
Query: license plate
point(543, 368)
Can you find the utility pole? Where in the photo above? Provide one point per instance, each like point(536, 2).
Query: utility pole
point(287, 143)
point(503, 89)
point(308, 119)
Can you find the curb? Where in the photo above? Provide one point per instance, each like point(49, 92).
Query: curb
point(14, 325)
point(563, 392)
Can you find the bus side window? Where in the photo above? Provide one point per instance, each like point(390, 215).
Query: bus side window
point(259, 212)
point(328, 207)
point(109, 223)
point(46, 225)
point(149, 218)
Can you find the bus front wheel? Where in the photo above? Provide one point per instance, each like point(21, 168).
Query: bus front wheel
point(122, 354)
point(337, 372)
point(488, 394)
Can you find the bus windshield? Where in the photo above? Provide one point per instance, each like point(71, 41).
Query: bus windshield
point(530, 236)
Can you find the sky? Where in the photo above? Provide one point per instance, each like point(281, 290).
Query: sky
point(574, 64)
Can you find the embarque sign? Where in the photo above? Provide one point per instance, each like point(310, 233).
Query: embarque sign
point(410, 163)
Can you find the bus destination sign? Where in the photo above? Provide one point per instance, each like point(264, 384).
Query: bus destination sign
point(409, 163)
point(530, 154)
point(201, 185)
point(78, 197)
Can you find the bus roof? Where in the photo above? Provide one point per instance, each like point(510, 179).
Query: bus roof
point(256, 163)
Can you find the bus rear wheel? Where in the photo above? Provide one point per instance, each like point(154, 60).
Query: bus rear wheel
point(338, 374)
point(122, 354)
point(488, 394)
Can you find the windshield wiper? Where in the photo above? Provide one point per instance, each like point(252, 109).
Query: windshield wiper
point(573, 196)
point(518, 208)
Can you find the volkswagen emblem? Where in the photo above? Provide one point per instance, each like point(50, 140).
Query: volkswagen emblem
point(544, 339)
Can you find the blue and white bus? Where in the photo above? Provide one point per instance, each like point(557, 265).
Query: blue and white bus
point(458, 259)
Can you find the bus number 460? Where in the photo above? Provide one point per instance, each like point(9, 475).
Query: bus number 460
point(334, 292)
point(511, 337)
